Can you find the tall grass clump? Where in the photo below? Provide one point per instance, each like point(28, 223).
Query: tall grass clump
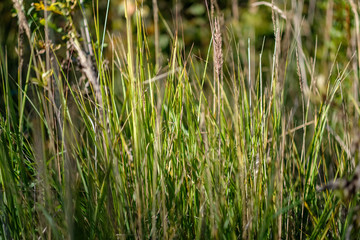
point(102, 137)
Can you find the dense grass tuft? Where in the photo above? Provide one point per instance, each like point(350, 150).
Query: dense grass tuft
point(240, 144)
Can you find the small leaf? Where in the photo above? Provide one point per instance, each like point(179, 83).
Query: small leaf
point(36, 81)
point(45, 76)
point(42, 21)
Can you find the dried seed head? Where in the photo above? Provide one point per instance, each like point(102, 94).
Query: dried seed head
point(298, 71)
point(218, 55)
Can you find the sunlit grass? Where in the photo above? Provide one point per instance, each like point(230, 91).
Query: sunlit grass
point(197, 153)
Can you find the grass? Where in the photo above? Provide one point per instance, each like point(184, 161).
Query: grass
point(213, 148)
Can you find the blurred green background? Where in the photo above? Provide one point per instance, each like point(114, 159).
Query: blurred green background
point(190, 20)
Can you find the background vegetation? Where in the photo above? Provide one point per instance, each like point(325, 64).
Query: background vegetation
point(179, 119)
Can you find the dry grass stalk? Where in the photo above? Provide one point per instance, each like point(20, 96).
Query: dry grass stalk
point(218, 54)
point(285, 46)
point(275, 20)
point(357, 37)
point(326, 36)
point(87, 69)
point(272, 6)
point(87, 32)
point(156, 26)
point(299, 71)
point(298, 9)
point(278, 84)
point(212, 6)
point(21, 59)
point(218, 72)
point(215, 24)
point(24, 27)
point(235, 9)
point(21, 16)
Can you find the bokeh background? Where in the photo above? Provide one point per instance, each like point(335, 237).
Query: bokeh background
point(329, 23)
